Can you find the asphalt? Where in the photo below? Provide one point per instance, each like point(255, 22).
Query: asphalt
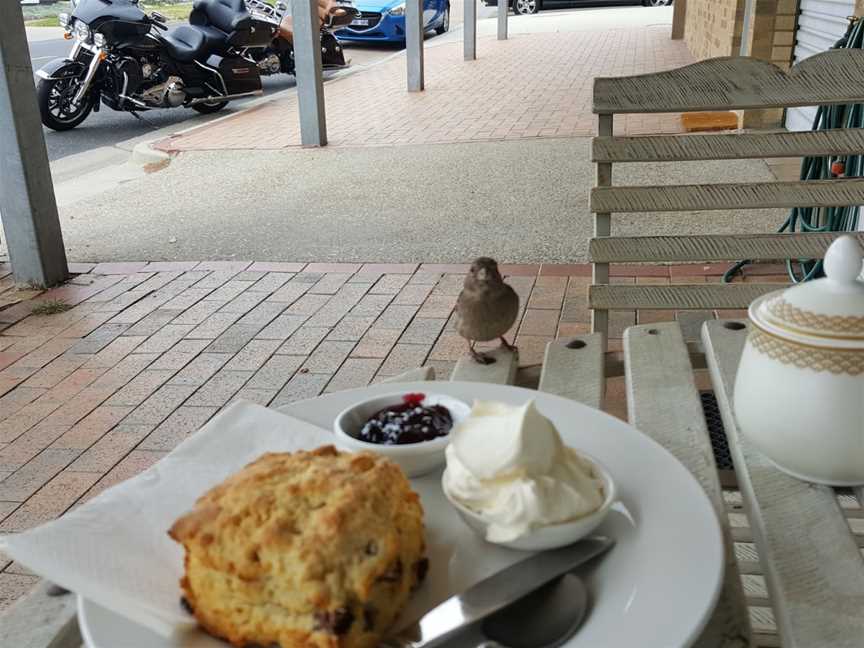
point(520, 201)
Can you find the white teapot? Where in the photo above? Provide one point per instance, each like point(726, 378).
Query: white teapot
point(799, 393)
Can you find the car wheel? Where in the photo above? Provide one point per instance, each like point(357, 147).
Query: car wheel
point(209, 108)
point(445, 23)
point(525, 7)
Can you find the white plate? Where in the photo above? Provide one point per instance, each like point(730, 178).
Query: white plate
point(656, 588)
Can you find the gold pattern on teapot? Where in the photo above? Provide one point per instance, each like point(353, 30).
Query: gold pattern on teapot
point(819, 359)
point(844, 325)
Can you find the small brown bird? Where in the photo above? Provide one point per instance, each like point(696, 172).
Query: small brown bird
point(486, 308)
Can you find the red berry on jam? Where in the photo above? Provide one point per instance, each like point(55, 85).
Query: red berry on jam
point(409, 422)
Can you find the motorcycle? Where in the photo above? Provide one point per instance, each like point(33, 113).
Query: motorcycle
point(131, 61)
point(278, 56)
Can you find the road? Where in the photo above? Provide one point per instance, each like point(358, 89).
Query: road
point(108, 127)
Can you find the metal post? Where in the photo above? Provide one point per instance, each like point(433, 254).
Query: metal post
point(746, 37)
point(503, 10)
point(307, 71)
point(469, 30)
point(679, 18)
point(414, 44)
point(27, 204)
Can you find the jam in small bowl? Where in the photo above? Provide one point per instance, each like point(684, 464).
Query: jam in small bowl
point(412, 429)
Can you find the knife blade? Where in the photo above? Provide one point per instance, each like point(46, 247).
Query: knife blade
point(495, 592)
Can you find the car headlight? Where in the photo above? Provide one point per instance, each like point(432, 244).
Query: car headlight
point(398, 10)
point(82, 32)
point(63, 19)
point(99, 40)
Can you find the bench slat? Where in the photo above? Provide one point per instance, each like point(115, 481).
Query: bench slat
point(712, 247)
point(501, 372)
point(733, 195)
point(729, 83)
point(813, 568)
point(663, 402)
point(679, 297)
point(575, 373)
point(41, 621)
point(673, 148)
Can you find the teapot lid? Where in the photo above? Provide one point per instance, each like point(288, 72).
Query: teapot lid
point(823, 312)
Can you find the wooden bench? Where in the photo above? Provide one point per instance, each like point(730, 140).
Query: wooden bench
point(835, 77)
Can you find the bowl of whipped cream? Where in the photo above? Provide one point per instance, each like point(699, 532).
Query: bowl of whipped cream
point(514, 482)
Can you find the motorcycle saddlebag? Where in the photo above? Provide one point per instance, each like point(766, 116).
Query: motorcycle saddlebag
point(239, 74)
point(260, 34)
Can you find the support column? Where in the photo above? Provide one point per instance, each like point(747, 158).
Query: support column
point(679, 19)
point(307, 71)
point(27, 205)
point(768, 33)
point(503, 10)
point(414, 44)
point(469, 30)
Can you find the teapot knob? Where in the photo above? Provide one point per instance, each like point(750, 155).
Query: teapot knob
point(843, 260)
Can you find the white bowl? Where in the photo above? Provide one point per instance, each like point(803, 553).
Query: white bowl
point(550, 536)
point(415, 459)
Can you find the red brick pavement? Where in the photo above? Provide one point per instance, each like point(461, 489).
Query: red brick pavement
point(148, 352)
point(536, 85)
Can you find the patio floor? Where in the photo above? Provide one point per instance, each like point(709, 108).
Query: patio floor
point(530, 86)
point(148, 352)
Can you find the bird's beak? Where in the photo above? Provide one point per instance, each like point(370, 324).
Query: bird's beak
point(482, 274)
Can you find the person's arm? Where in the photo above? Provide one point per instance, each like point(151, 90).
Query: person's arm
point(286, 27)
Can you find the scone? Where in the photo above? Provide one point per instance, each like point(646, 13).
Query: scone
point(316, 549)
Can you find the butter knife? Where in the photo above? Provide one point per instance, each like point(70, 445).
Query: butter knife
point(499, 590)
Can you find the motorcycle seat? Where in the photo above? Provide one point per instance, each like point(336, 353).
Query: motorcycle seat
point(226, 15)
point(186, 43)
point(215, 39)
point(223, 22)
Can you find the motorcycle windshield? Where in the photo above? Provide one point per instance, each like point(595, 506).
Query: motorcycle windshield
point(90, 11)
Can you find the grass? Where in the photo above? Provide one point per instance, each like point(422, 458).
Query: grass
point(46, 16)
point(173, 11)
point(49, 21)
point(50, 307)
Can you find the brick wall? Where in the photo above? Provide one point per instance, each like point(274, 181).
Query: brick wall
point(772, 38)
point(773, 35)
point(713, 27)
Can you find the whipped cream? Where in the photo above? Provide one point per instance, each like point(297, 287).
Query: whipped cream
point(508, 464)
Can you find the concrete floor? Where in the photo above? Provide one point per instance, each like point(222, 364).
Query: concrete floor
point(522, 201)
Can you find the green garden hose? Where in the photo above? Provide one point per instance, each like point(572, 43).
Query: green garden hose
point(825, 219)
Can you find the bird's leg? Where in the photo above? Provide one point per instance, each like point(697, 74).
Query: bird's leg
point(510, 347)
point(479, 358)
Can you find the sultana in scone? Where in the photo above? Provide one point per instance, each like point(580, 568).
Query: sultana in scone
point(317, 549)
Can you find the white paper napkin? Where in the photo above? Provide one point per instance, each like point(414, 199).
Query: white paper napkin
point(114, 550)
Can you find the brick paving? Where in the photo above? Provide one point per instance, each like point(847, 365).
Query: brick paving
point(148, 352)
point(532, 85)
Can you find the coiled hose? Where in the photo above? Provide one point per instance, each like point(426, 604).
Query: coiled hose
point(824, 219)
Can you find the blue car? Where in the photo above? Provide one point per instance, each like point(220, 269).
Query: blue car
point(384, 20)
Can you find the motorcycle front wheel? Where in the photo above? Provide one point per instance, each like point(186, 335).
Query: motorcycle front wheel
point(56, 106)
